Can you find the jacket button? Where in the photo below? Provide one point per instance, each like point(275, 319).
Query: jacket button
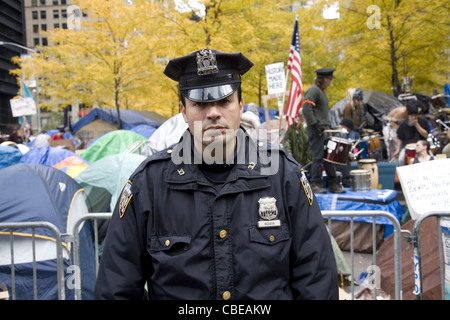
point(222, 234)
point(272, 238)
point(167, 243)
point(226, 295)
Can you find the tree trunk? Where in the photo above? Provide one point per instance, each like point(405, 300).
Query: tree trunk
point(394, 79)
point(116, 100)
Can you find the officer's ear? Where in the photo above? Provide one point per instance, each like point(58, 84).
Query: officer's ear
point(241, 107)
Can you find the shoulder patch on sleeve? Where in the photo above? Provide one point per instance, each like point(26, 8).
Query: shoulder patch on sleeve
point(125, 198)
point(306, 187)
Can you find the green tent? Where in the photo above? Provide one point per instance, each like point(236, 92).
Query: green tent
point(103, 182)
point(113, 142)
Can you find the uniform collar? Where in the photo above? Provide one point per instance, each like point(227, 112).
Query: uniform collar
point(189, 173)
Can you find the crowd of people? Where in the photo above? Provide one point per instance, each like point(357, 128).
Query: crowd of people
point(405, 136)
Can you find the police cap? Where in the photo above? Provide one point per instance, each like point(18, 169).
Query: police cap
point(208, 75)
point(325, 73)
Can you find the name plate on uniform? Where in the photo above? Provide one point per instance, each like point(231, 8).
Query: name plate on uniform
point(268, 223)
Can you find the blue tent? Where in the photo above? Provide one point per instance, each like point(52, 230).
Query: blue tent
point(144, 130)
point(47, 155)
point(262, 116)
point(447, 92)
point(9, 156)
point(128, 118)
point(34, 192)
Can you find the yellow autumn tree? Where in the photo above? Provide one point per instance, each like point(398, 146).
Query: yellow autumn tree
point(262, 30)
point(379, 42)
point(111, 60)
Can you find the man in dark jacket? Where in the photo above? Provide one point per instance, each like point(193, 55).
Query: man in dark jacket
point(217, 216)
point(412, 129)
point(316, 111)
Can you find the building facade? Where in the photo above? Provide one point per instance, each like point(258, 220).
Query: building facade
point(12, 31)
point(44, 15)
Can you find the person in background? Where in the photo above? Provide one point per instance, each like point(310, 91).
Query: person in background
point(357, 112)
point(412, 129)
point(59, 135)
point(250, 119)
point(15, 136)
point(316, 112)
point(422, 152)
point(348, 125)
point(42, 139)
point(295, 141)
point(353, 136)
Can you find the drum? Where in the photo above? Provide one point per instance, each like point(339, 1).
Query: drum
point(360, 180)
point(337, 150)
point(435, 144)
point(374, 143)
point(410, 152)
point(371, 166)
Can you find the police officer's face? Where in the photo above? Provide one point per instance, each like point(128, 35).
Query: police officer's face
point(214, 121)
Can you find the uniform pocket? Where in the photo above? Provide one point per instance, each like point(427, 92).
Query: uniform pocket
point(169, 244)
point(269, 236)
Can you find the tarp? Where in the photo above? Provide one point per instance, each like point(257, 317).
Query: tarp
point(47, 155)
point(447, 92)
point(167, 134)
point(262, 116)
point(378, 104)
point(431, 283)
point(113, 142)
point(128, 118)
point(9, 156)
point(34, 192)
point(375, 199)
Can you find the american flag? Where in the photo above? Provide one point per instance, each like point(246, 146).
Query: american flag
point(294, 65)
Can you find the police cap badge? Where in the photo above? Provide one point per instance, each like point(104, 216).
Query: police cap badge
point(208, 75)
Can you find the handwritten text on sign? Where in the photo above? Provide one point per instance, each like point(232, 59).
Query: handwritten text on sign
point(426, 186)
point(275, 78)
point(22, 107)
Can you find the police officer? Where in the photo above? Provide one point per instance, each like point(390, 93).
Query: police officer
point(217, 216)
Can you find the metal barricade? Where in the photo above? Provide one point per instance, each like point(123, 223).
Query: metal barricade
point(397, 242)
point(326, 214)
point(59, 254)
point(76, 245)
point(415, 240)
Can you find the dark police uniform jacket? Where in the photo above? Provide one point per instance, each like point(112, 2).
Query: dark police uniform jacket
point(189, 239)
